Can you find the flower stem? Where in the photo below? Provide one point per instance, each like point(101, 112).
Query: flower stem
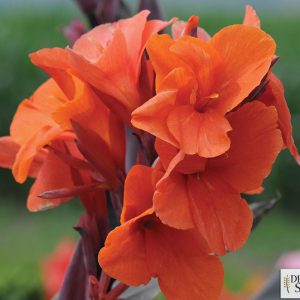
point(116, 291)
point(103, 284)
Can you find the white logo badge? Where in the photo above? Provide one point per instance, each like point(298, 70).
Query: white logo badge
point(290, 283)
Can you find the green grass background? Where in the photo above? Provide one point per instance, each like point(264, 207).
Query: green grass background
point(26, 237)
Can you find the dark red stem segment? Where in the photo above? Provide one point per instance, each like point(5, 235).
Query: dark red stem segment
point(116, 292)
point(103, 284)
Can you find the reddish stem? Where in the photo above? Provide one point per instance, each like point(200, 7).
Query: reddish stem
point(116, 291)
point(103, 284)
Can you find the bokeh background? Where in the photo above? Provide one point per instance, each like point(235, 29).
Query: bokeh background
point(28, 25)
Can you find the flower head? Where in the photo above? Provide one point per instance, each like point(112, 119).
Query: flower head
point(110, 58)
point(143, 247)
point(202, 193)
point(198, 82)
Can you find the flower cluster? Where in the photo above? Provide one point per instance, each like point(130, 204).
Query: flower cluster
point(165, 133)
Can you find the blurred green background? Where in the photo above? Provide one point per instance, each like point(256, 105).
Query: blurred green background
point(26, 237)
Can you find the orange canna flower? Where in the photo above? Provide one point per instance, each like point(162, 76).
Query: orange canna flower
point(47, 119)
point(201, 193)
point(142, 247)
point(111, 58)
point(198, 82)
point(274, 95)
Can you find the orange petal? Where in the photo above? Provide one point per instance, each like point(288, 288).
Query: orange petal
point(91, 44)
point(152, 115)
point(202, 59)
point(191, 26)
point(30, 149)
point(133, 31)
point(246, 53)
point(257, 191)
point(152, 27)
point(97, 57)
point(124, 255)
point(180, 261)
point(251, 18)
point(86, 108)
point(60, 63)
point(222, 217)
point(253, 148)
point(144, 248)
point(120, 83)
point(189, 164)
point(171, 202)
point(137, 199)
point(165, 151)
point(274, 95)
point(8, 151)
point(162, 58)
point(33, 126)
point(56, 62)
point(54, 174)
point(204, 134)
point(183, 81)
point(34, 114)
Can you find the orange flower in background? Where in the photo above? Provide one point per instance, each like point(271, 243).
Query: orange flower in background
point(274, 95)
point(111, 58)
point(47, 119)
point(54, 266)
point(142, 247)
point(205, 193)
point(198, 82)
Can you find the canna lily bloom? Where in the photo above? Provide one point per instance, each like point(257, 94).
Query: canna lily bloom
point(201, 193)
point(274, 95)
point(47, 116)
point(142, 247)
point(198, 82)
point(112, 59)
point(42, 144)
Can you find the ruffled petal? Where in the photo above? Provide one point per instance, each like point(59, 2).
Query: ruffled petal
point(222, 217)
point(246, 53)
point(30, 149)
point(152, 116)
point(274, 95)
point(199, 133)
point(162, 58)
point(253, 148)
